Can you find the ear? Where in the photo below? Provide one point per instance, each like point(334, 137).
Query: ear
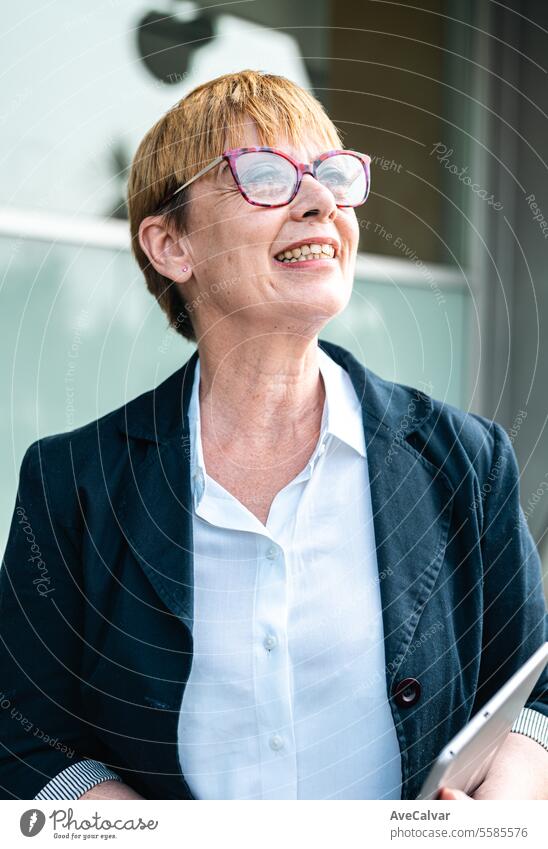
point(166, 251)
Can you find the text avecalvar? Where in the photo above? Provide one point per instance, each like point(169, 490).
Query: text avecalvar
point(420, 815)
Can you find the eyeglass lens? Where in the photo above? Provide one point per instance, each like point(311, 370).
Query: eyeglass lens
point(270, 179)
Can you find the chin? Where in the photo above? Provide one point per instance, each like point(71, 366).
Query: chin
point(317, 311)
point(333, 294)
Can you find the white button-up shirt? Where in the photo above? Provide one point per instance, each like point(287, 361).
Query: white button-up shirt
point(286, 697)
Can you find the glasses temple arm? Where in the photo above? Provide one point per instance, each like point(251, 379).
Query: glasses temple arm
point(199, 174)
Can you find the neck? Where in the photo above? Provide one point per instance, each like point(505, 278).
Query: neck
point(266, 390)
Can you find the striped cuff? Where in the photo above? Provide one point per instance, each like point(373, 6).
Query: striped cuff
point(77, 779)
point(533, 724)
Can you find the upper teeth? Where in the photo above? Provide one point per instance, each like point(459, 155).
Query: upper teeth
point(300, 254)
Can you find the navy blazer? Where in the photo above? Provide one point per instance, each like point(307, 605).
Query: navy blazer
point(96, 589)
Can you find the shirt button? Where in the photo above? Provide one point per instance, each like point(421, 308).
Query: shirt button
point(322, 448)
point(270, 642)
point(276, 742)
point(272, 553)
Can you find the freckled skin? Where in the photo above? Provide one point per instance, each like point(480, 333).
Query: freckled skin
point(257, 321)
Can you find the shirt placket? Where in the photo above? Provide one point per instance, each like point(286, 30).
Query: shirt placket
point(272, 663)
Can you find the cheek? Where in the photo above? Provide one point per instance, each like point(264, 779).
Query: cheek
point(250, 236)
point(221, 228)
point(352, 230)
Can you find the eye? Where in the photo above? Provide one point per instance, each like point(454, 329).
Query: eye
point(334, 176)
point(262, 174)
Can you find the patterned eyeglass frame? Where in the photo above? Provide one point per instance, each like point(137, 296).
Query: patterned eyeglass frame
point(302, 168)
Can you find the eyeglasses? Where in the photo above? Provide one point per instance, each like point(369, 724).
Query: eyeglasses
point(271, 178)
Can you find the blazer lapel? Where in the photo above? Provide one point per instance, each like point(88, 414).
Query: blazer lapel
point(411, 501)
point(412, 504)
point(155, 514)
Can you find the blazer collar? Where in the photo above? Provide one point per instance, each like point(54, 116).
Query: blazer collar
point(161, 414)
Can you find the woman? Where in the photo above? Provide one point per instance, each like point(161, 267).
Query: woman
point(276, 575)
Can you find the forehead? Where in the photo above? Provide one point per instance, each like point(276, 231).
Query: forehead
point(308, 148)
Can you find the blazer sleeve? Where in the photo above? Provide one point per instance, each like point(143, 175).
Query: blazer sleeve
point(515, 621)
point(42, 729)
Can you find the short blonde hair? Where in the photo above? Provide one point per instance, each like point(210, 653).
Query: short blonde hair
point(206, 122)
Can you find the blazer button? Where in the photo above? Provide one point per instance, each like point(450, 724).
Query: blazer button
point(406, 692)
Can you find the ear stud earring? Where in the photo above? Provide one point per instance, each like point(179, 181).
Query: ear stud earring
point(185, 268)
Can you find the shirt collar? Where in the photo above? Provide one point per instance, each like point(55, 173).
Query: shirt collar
point(343, 408)
point(197, 466)
point(342, 418)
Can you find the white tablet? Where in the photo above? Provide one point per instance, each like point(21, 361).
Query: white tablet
point(464, 762)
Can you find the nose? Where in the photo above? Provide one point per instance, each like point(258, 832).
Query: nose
point(313, 199)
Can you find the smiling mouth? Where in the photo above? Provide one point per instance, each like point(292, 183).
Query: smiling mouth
point(306, 253)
